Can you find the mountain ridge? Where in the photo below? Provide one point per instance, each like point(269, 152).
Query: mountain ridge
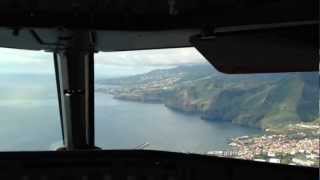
point(264, 101)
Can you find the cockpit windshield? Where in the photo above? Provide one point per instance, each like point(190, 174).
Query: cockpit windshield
point(174, 100)
point(168, 100)
point(28, 101)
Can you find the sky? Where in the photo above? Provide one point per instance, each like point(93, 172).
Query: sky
point(106, 63)
point(17, 61)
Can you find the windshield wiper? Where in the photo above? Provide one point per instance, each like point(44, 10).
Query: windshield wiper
point(143, 146)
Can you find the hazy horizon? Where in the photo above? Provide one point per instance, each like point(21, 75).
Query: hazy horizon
point(108, 64)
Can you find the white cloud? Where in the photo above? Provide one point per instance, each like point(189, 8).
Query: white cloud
point(159, 57)
point(16, 60)
point(18, 56)
point(124, 62)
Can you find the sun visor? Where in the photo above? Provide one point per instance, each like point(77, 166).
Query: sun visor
point(262, 48)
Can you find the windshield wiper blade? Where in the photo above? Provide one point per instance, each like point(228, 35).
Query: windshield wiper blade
point(143, 146)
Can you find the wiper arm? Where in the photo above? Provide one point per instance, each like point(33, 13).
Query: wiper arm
point(142, 146)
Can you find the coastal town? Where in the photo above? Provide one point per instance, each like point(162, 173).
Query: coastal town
point(199, 90)
point(294, 145)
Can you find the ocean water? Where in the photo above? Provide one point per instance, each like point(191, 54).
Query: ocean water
point(29, 115)
point(126, 125)
point(29, 118)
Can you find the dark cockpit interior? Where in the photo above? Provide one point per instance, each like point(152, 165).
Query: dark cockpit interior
point(235, 36)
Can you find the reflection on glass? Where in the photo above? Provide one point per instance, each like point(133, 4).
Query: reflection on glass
point(173, 100)
point(28, 101)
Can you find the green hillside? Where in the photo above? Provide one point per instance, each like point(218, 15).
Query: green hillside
point(273, 104)
point(264, 101)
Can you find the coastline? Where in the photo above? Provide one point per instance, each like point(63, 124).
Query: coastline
point(267, 146)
